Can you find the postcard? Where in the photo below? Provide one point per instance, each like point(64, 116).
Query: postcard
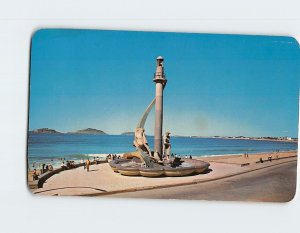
point(163, 115)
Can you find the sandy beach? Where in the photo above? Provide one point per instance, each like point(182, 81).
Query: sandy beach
point(101, 180)
point(252, 158)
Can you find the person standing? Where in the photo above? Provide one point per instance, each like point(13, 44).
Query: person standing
point(34, 175)
point(43, 168)
point(87, 164)
point(63, 166)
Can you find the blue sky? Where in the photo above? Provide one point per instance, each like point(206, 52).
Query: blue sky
point(217, 84)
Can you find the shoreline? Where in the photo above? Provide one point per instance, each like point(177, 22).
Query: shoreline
point(252, 158)
point(103, 181)
point(198, 157)
point(239, 154)
point(245, 138)
point(262, 139)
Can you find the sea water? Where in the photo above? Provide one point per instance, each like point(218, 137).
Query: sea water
point(53, 148)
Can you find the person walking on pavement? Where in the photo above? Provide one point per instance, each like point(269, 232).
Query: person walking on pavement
point(87, 164)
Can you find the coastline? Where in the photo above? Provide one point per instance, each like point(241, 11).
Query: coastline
point(253, 157)
point(207, 158)
point(54, 149)
point(260, 139)
point(293, 140)
point(198, 157)
point(103, 181)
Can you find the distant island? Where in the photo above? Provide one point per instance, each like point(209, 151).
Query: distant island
point(53, 131)
point(92, 131)
point(127, 133)
point(88, 131)
point(45, 131)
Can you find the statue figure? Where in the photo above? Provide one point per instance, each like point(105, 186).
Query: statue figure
point(167, 145)
point(140, 140)
point(141, 144)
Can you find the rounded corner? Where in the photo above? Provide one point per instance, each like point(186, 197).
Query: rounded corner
point(292, 197)
point(36, 32)
point(295, 40)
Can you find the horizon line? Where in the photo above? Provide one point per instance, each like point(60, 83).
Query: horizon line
point(175, 135)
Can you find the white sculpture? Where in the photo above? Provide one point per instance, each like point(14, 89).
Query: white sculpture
point(140, 140)
point(167, 145)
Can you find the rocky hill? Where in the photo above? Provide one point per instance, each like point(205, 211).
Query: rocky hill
point(45, 131)
point(88, 131)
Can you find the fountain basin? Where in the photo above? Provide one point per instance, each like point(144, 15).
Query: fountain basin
point(151, 172)
point(113, 164)
point(134, 167)
point(180, 171)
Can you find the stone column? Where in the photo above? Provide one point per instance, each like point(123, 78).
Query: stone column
point(160, 81)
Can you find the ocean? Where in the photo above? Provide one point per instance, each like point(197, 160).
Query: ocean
point(51, 148)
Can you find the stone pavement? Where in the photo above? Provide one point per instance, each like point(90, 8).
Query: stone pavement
point(101, 180)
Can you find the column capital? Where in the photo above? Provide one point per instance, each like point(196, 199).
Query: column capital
point(160, 80)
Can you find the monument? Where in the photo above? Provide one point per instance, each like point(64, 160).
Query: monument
point(160, 83)
point(156, 163)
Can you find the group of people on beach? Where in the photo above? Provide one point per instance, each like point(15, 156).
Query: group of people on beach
point(45, 168)
point(113, 156)
point(65, 165)
point(270, 157)
point(68, 165)
point(180, 156)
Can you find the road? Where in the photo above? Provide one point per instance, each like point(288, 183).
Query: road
point(273, 184)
